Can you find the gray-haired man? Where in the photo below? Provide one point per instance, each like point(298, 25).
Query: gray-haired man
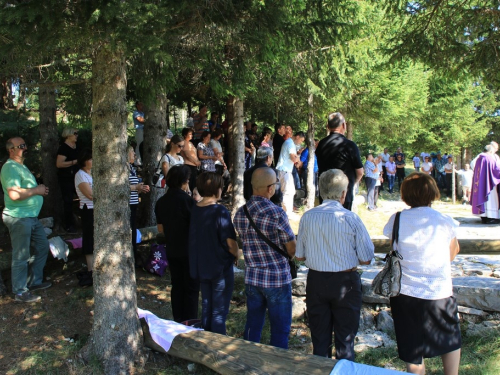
point(332, 251)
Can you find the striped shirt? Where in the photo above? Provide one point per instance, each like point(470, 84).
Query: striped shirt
point(265, 267)
point(369, 170)
point(339, 243)
point(133, 180)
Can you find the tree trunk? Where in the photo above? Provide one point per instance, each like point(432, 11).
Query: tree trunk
point(311, 190)
point(155, 134)
point(237, 135)
point(230, 140)
point(49, 139)
point(116, 332)
point(350, 130)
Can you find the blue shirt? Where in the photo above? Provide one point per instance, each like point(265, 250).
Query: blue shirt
point(369, 170)
point(265, 267)
point(304, 158)
point(137, 124)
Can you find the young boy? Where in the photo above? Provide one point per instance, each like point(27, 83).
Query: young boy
point(416, 162)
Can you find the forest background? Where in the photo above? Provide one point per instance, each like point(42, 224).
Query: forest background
point(421, 75)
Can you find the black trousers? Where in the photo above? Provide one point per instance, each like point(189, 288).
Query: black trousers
point(447, 180)
point(87, 230)
point(185, 290)
point(333, 304)
point(67, 185)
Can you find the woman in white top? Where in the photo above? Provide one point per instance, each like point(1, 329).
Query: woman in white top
point(425, 313)
point(83, 186)
point(427, 165)
point(172, 156)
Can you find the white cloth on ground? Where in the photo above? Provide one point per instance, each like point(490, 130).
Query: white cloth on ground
point(163, 331)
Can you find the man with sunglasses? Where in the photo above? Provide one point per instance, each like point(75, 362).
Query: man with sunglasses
point(23, 201)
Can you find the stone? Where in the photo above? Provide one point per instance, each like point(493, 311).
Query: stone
point(472, 268)
point(366, 320)
point(471, 311)
point(372, 339)
point(496, 273)
point(384, 322)
point(47, 222)
point(483, 328)
point(491, 260)
point(299, 287)
point(299, 307)
point(456, 271)
point(481, 293)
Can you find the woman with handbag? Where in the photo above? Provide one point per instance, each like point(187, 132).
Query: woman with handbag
point(425, 312)
point(212, 252)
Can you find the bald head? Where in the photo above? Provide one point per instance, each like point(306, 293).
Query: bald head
point(263, 182)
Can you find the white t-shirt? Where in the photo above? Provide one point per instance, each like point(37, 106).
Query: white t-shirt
point(82, 176)
point(416, 161)
point(216, 147)
point(424, 243)
point(466, 177)
point(171, 160)
point(390, 167)
point(285, 164)
point(426, 167)
point(449, 166)
point(385, 158)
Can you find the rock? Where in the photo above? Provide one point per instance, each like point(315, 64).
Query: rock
point(491, 260)
point(366, 320)
point(471, 269)
point(496, 273)
point(299, 287)
point(366, 284)
point(477, 292)
point(47, 222)
point(384, 322)
point(456, 271)
point(369, 339)
point(483, 328)
point(471, 311)
point(298, 307)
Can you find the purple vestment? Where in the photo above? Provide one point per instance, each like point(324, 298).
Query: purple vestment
point(486, 177)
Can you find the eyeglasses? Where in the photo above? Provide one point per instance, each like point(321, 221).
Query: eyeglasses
point(75, 133)
point(22, 146)
point(179, 145)
point(276, 183)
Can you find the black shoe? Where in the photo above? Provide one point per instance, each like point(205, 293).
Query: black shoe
point(27, 297)
point(85, 278)
point(41, 286)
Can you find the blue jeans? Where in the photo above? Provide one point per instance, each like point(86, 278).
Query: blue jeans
point(29, 251)
point(279, 303)
point(390, 179)
point(370, 186)
point(215, 299)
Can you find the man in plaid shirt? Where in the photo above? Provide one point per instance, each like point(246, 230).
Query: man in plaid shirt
point(267, 277)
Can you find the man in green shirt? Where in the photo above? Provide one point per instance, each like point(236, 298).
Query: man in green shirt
point(23, 201)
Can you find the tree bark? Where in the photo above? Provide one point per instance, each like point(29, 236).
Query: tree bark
point(155, 134)
point(350, 130)
point(237, 135)
point(311, 190)
point(116, 332)
point(230, 141)
point(49, 139)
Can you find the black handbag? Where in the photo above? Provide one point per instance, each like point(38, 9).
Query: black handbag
point(387, 283)
point(291, 262)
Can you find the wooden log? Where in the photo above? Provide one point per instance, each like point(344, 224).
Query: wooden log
point(229, 356)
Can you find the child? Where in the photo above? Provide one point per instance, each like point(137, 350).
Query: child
point(416, 162)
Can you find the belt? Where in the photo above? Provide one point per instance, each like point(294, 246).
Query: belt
point(353, 269)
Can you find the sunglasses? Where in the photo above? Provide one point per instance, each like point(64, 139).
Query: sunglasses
point(276, 183)
point(22, 146)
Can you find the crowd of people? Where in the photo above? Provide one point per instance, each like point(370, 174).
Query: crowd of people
point(201, 237)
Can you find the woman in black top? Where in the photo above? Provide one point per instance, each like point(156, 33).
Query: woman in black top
point(66, 163)
point(173, 216)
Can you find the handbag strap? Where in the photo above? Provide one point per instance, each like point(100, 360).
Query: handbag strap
point(395, 229)
point(261, 235)
point(158, 165)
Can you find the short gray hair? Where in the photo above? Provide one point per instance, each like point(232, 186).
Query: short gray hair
point(332, 184)
point(67, 132)
point(263, 153)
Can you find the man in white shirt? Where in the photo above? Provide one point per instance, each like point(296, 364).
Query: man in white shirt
point(288, 158)
point(332, 250)
point(448, 170)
